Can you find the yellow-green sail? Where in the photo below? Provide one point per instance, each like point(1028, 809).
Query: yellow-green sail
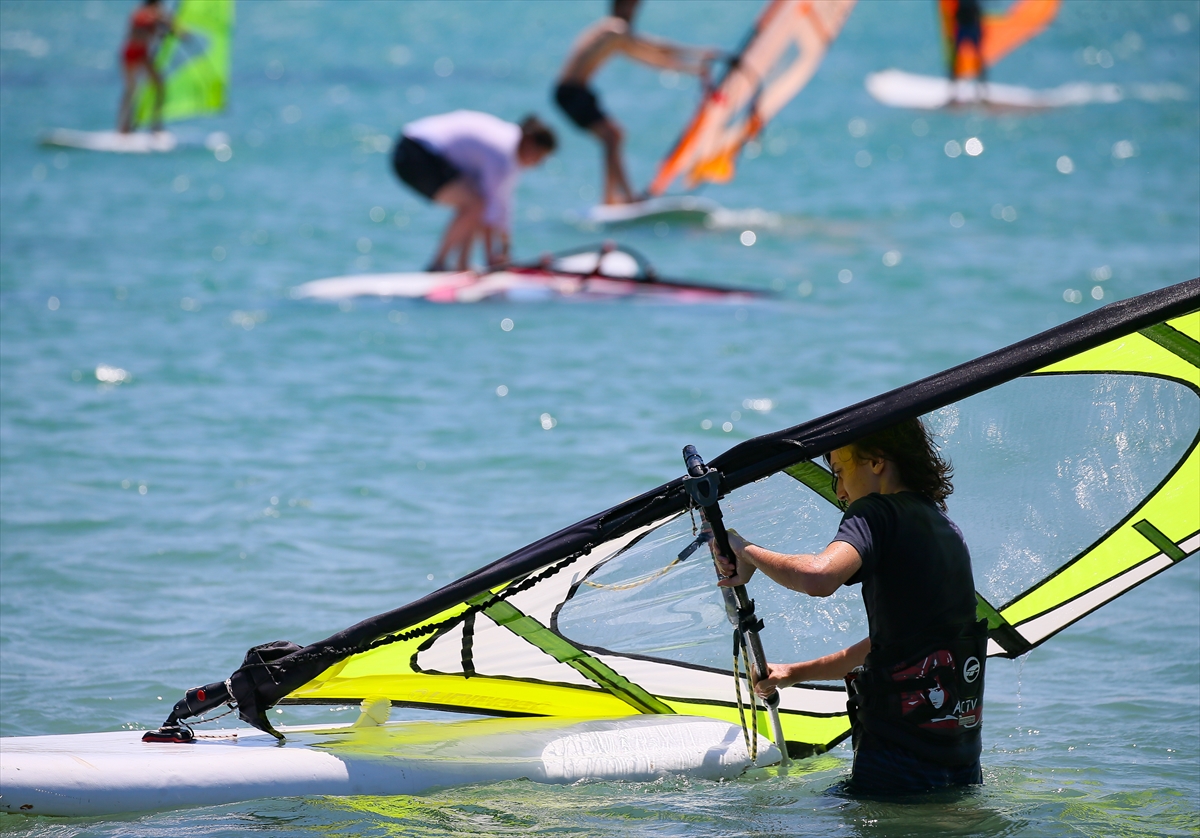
point(1077, 477)
point(195, 66)
point(1162, 529)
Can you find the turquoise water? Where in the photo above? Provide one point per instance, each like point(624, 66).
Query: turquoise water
point(270, 468)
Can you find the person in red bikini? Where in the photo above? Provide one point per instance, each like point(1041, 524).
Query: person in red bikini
point(147, 25)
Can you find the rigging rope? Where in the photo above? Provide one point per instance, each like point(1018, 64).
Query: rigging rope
point(739, 657)
point(637, 583)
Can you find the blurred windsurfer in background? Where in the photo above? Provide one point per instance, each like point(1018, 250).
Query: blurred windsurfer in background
point(968, 28)
point(147, 25)
point(470, 161)
point(602, 40)
point(915, 683)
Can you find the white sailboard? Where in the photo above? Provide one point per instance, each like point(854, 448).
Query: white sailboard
point(135, 142)
point(899, 89)
point(682, 209)
point(94, 774)
point(604, 272)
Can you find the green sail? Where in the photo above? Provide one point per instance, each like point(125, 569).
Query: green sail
point(195, 68)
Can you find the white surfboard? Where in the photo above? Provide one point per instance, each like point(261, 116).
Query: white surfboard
point(606, 273)
point(135, 142)
point(109, 773)
point(442, 286)
point(412, 285)
point(562, 275)
point(898, 89)
point(683, 209)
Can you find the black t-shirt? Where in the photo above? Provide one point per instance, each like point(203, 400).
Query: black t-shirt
point(916, 571)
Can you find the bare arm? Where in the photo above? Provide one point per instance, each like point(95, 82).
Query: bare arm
point(659, 53)
point(829, 668)
point(816, 575)
point(167, 26)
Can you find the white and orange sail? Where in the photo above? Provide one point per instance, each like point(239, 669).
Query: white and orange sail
point(783, 51)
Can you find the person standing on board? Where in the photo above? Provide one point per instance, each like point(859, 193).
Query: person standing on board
point(968, 28)
point(470, 161)
point(916, 683)
point(147, 25)
point(602, 40)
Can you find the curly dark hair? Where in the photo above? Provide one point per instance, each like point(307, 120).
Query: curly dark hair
point(910, 446)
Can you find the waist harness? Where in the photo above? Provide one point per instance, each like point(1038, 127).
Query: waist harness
point(929, 694)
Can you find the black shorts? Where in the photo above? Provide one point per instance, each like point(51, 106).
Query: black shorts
point(579, 102)
point(972, 33)
point(422, 168)
point(882, 767)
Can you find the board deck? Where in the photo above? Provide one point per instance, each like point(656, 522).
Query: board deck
point(109, 773)
point(683, 209)
point(509, 286)
point(603, 274)
point(136, 142)
point(899, 89)
point(406, 285)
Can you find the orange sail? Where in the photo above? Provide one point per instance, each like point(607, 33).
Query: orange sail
point(1002, 33)
point(783, 52)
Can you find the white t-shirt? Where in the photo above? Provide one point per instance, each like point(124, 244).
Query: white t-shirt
point(484, 148)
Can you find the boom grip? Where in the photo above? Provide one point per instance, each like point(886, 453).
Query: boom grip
point(692, 461)
point(704, 486)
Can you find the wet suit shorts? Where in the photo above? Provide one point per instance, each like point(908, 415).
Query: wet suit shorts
point(881, 767)
point(579, 102)
point(422, 168)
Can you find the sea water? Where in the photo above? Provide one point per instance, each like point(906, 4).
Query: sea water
point(193, 462)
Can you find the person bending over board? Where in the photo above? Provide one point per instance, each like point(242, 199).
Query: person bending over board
point(147, 25)
point(602, 40)
point(470, 161)
point(916, 683)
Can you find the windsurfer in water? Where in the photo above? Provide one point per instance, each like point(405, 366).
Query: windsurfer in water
point(916, 683)
point(598, 43)
point(147, 25)
point(470, 161)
